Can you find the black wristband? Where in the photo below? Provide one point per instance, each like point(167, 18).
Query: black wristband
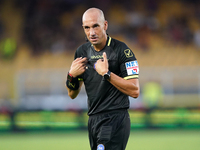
point(69, 77)
point(73, 84)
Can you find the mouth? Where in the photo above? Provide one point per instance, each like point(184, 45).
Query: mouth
point(93, 39)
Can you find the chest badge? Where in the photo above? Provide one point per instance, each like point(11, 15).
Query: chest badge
point(128, 53)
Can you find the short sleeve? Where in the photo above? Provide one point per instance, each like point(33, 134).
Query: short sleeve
point(128, 63)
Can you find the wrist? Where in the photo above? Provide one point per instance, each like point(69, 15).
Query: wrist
point(104, 72)
point(106, 76)
point(72, 74)
point(72, 82)
point(71, 77)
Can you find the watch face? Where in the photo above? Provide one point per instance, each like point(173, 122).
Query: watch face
point(106, 76)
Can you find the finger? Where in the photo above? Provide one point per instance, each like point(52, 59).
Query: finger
point(99, 60)
point(85, 67)
point(85, 62)
point(77, 59)
point(84, 59)
point(104, 56)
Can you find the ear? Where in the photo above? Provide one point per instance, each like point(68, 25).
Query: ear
point(105, 25)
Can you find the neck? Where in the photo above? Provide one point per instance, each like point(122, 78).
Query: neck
point(100, 46)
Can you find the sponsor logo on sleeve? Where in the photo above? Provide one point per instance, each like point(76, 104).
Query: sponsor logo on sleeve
point(132, 67)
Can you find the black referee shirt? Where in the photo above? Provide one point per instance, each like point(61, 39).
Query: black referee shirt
point(103, 96)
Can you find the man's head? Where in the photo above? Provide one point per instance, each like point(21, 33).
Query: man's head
point(95, 26)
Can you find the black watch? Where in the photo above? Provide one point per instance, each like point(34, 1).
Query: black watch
point(106, 76)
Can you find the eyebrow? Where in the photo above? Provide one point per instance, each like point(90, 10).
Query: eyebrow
point(94, 25)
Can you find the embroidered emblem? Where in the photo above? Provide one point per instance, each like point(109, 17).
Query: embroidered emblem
point(128, 53)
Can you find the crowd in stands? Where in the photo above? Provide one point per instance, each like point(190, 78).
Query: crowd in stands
point(55, 25)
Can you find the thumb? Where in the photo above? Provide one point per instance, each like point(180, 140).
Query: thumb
point(104, 56)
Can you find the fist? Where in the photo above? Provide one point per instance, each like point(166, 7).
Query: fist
point(101, 66)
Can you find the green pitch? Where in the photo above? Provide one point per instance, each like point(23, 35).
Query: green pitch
point(139, 140)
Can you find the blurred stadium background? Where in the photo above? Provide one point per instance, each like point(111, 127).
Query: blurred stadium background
point(38, 39)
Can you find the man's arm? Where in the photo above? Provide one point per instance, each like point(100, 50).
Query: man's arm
point(74, 93)
point(129, 87)
point(77, 68)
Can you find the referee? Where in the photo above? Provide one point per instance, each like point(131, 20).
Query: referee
point(109, 71)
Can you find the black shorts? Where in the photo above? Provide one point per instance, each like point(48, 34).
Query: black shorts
point(109, 131)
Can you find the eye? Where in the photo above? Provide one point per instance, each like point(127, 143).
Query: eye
point(96, 25)
point(86, 27)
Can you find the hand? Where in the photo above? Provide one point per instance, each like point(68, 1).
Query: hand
point(78, 66)
point(101, 65)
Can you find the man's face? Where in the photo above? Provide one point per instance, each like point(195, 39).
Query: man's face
point(95, 29)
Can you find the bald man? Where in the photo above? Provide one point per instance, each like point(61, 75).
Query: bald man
point(109, 70)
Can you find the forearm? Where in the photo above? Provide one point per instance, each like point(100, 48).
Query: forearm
point(77, 68)
point(73, 93)
point(130, 88)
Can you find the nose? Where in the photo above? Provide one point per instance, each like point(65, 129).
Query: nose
point(92, 32)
